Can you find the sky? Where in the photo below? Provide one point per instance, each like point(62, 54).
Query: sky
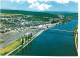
point(41, 5)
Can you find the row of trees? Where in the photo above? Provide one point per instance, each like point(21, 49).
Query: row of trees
point(26, 38)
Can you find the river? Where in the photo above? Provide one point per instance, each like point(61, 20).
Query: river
point(53, 43)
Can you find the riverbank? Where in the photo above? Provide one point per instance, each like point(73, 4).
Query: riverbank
point(24, 44)
point(17, 46)
point(76, 37)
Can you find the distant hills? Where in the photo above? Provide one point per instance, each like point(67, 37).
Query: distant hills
point(41, 14)
point(68, 14)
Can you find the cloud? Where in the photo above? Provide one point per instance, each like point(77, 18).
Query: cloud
point(31, 1)
point(39, 6)
point(12, 0)
point(43, 6)
point(35, 4)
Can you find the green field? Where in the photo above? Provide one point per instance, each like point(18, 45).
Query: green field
point(11, 47)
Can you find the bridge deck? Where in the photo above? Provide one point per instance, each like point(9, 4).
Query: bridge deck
point(62, 30)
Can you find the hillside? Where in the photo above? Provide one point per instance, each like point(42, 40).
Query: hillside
point(41, 14)
point(32, 16)
point(67, 14)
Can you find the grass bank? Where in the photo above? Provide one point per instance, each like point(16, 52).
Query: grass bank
point(16, 46)
point(20, 48)
point(76, 36)
point(26, 43)
point(11, 47)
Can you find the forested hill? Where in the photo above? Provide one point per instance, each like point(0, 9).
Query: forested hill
point(67, 14)
point(41, 14)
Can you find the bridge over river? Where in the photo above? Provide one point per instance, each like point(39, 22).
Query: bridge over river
point(64, 30)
